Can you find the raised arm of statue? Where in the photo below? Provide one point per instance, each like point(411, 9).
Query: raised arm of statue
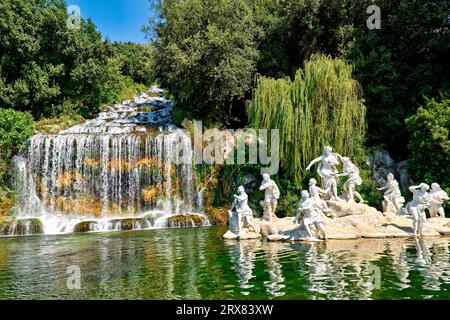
point(413, 189)
point(241, 198)
point(263, 186)
point(313, 163)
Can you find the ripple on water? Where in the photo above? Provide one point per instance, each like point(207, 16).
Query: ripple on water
point(198, 264)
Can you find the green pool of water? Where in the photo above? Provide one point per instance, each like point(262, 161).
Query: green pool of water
point(198, 264)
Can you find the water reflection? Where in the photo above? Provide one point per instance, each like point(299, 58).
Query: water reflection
point(344, 269)
point(198, 264)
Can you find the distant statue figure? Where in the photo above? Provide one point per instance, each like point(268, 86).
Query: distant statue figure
point(327, 171)
point(316, 193)
point(240, 215)
point(437, 197)
point(416, 207)
point(271, 196)
point(353, 180)
point(312, 218)
point(392, 195)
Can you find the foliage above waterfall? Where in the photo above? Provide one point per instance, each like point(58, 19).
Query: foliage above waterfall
point(49, 69)
point(15, 128)
point(321, 106)
point(206, 54)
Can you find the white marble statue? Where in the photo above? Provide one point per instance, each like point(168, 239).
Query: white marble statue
point(317, 193)
point(437, 197)
point(312, 217)
point(392, 196)
point(240, 215)
point(327, 170)
point(271, 196)
point(416, 207)
point(353, 180)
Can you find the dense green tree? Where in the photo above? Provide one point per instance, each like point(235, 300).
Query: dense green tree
point(49, 69)
point(430, 142)
point(206, 54)
point(136, 61)
point(399, 64)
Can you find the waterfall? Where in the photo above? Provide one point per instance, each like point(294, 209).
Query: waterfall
point(128, 162)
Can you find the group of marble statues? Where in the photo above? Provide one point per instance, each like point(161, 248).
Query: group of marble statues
point(329, 174)
point(313, 204)
point(422, 200)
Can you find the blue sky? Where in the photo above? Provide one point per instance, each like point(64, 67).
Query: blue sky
point(119, 20)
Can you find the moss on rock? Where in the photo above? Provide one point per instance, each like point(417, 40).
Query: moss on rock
point(21, 227)
point(85, 226)
point(186, 220)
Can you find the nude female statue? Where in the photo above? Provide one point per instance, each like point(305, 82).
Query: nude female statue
point(327, 170)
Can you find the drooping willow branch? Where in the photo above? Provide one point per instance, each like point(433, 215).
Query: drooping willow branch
point(321, 106)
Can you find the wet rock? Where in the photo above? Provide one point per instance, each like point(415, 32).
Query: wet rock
point(342, 209)
point(21, 227)
point(128, 224)
point(218, 216)
point(85, 226)
point(186, 220)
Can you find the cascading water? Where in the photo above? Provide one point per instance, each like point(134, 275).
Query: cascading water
point(129, 168)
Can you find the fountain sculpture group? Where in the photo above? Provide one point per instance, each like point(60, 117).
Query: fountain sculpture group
point(322, 208)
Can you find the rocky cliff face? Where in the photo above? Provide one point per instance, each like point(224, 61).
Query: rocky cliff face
point(381, 163)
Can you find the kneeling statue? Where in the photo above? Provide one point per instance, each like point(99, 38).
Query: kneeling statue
point(392, 198)
point(312, 217)
point(240, 218)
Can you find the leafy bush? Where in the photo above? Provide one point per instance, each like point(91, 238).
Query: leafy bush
point(15, 128)
point(430, 142)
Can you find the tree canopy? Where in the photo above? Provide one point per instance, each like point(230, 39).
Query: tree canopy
point(206, 54)
point(49, 69)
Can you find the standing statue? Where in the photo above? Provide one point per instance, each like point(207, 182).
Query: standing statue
point(240, 216)
point(353, 180)
point(271, 196)
point(327, 170)
point(416, 207)
point(316, 193)
point(312, 218)
point(438, 197)
point(392, 195)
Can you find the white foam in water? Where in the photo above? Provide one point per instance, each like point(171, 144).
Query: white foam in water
point(107, 162)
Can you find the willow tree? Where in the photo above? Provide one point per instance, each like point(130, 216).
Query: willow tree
point(321, 106)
